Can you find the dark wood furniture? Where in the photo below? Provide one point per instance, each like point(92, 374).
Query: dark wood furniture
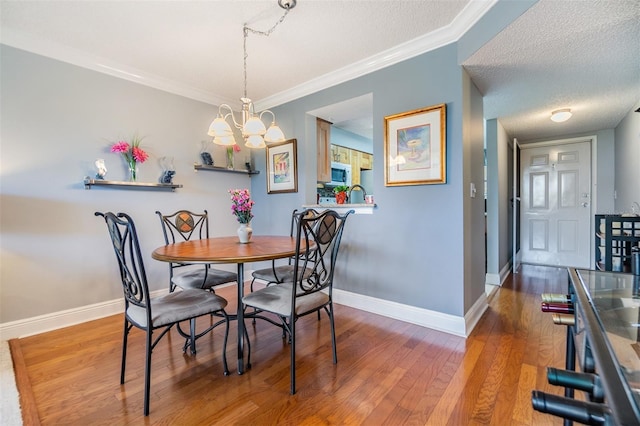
point(230, 250)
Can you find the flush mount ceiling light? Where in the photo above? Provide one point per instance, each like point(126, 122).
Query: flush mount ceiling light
point(561, 115)
point(254, 132)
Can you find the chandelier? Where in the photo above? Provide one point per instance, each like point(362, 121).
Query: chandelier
point(254, 132)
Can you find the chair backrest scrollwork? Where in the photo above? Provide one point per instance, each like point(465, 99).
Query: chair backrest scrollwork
point(126, 246)
point(318, 239)
point(183, 225)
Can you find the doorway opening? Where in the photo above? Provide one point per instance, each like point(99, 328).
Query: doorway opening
point(556, 207)
point(347, 142)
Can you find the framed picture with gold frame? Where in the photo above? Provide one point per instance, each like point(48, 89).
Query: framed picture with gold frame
point(415, 144)
point(282, 167)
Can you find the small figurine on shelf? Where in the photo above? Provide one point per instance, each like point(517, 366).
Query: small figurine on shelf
point(167, 176)
point(167, 170)
point(102, 168)
point(247, 164)
point(206, 158)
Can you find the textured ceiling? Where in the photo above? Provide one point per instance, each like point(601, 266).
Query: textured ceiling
point(578, 54)
point(583, 55)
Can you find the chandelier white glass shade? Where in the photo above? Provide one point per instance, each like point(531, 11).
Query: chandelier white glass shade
point(254, 132)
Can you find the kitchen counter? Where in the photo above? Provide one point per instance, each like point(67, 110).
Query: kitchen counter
point(343, 208)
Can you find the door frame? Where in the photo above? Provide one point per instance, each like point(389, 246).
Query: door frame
point(515, 208)
point(593, 143)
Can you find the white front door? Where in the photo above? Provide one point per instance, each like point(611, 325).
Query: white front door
point(556, 205)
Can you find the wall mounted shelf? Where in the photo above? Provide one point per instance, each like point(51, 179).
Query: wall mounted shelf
point(224, 169)
point(88, 183)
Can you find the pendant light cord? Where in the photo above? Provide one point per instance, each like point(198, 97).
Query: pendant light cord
point(245, 32)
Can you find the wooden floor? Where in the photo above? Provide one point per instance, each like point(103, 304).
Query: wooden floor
point(389, 372)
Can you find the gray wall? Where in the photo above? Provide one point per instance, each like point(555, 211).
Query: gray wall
point(350, 140)
point(499, 195)
point(422, 246)
point(411, 250)
point(605, 171)
point(627, 170)
point(56, 120)
point(473, 174)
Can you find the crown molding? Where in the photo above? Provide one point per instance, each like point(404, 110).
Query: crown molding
point(473, 11)
point(82, 59)
point(451, 33)
point(407, 50)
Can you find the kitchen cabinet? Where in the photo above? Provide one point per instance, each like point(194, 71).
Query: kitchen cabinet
point(357, 159)
point(341, 154)
point(355, 168)
point(323, 131)
point(366, 160)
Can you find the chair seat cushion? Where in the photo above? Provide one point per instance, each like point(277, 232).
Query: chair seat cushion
point(177, 306)
point(283, 273)
point(195, 278)
point(277, 299)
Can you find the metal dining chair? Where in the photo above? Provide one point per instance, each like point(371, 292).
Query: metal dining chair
point(184, 225)
point(158, 313)
point(311, 287)
point(277, 274)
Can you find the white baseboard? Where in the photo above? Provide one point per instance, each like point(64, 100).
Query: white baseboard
point(498, 279)
point(474, 314)
point(459, 326)
point(451, 324)
point(492, 279)
point(504, 272)
point(55, 320)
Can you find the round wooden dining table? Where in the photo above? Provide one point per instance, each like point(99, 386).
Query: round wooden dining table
point(229, 250)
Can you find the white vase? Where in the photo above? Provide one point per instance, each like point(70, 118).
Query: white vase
point(244, 233)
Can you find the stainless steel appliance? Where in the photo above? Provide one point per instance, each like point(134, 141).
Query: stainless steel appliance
point(340, 174)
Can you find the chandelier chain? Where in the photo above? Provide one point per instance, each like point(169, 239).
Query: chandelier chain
point(254, 131)
point(245, 32)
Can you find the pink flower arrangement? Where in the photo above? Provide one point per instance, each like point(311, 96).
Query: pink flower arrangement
point(241, 205)
point(132, 154)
